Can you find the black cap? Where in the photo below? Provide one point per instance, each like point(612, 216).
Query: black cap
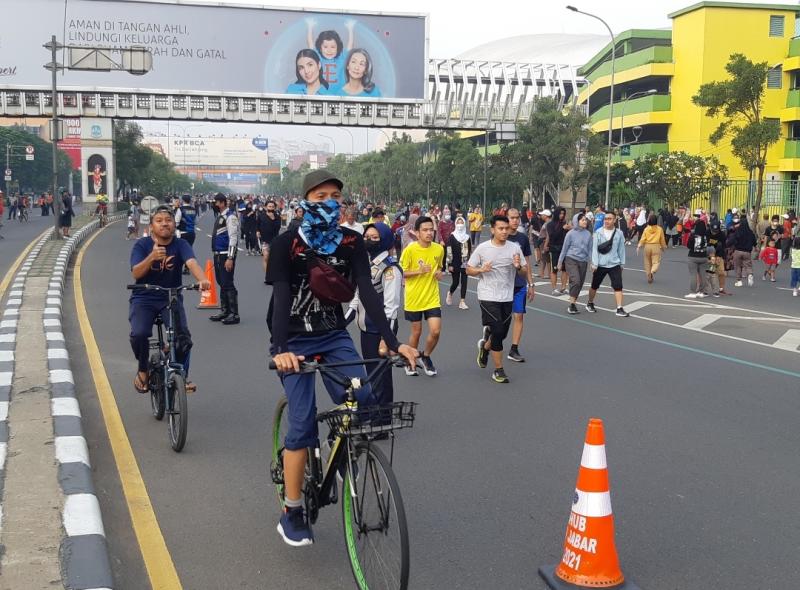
point(377, 212)
point(317, 177)
point(220, 197)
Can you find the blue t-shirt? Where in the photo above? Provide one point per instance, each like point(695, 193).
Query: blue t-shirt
point(332, 70)
point(374, 93)
point(164, 273)
point(301, 88)
point(525, 245)
point(598, 220)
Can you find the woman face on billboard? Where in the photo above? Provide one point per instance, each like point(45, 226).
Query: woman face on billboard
point(358, 72)
point(308, 69)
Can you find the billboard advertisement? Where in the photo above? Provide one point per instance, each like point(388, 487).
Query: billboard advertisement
point(71, 144)
point(212, 48)
point(231, 152)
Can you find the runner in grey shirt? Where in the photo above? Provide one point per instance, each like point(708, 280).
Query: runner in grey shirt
point(495, 263)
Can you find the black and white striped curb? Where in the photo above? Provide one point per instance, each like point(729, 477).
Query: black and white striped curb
point(8, 344)
point(84, 555)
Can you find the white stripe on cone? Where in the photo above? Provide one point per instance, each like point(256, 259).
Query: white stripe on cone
point(592, 504)
point(594, 456)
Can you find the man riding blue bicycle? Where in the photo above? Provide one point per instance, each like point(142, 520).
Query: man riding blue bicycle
point(157, 260)
point(313, 270)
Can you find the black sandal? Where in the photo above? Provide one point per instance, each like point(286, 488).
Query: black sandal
point(140, 385)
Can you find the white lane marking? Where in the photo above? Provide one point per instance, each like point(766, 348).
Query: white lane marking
point(635, 305)
point(72, 449)
point(6, 355)
point(57, 353)
point(702, 321)
point(3, 413)
point(82, 515)
point(61, 376)
point(789, 341)
point(594, 456)
point(65, 406)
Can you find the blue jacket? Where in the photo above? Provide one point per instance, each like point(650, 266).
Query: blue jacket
point(616, 257)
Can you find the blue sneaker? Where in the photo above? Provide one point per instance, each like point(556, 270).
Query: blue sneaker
point(294, 528)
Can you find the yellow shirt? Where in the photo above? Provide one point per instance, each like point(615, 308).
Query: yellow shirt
point(653, 234)
point(475, 221)
point(422, 291)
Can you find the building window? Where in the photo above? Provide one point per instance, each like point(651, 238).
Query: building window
point(776, 26)
point(774, 76)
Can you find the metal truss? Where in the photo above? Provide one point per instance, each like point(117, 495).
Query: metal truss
point(462, 94)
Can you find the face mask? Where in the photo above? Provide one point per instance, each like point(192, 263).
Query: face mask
point(320, 225)
point(373, 247)
point(447, 217)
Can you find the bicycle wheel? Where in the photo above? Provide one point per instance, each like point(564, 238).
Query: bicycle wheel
point(156, 388)
point(178, 413)
point(280, 426)
point(375, 528)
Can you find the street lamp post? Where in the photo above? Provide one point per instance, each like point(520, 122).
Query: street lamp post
point(622, 116)
point(611, 101)
point(352, 140)
point(329, 138)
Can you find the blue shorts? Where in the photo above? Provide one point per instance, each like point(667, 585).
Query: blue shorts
point(520, 300)
point(336, 346)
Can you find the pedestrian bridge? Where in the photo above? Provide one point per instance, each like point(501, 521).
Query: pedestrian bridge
point(462, 94)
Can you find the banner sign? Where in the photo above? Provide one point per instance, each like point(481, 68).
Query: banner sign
point(212, 48)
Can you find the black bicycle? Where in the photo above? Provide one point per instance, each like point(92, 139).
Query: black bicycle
point(374, 520)
point(167, 380)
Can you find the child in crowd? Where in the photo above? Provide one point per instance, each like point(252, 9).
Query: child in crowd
point(713, 270)
point(795, 265)
point(770, 256)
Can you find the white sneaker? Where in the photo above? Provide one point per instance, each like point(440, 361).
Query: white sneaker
point(737, 284)
point(463, 305)
point(794, 292)
point(749, 280)
point(701, 296)
point(448, 299)
point(690, 296)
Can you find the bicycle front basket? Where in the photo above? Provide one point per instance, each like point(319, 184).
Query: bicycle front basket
point(371, 419)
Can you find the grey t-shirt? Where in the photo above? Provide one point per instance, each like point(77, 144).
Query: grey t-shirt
point(498, 283)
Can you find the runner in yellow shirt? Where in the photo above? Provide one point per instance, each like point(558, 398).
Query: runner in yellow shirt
point(422, 263)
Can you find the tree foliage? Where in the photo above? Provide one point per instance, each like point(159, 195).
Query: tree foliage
point(739, 101)
point(32, 175)
point(675, 177)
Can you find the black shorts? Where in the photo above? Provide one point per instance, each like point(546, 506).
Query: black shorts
point(554, 254)
point(614, 273)
point(418, 316)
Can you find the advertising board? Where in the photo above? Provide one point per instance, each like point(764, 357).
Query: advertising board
point(211, 151)
point(217, 48)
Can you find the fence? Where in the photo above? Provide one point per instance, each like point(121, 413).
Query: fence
point(779, 195)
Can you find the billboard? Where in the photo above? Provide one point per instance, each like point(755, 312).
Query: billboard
point(213, 48)
point(71, 143)
point(230, 152)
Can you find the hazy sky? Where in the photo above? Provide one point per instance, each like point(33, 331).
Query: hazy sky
point(456, 26)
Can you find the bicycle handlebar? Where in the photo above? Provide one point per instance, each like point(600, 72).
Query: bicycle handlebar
point(148, 287)
point(312, 366)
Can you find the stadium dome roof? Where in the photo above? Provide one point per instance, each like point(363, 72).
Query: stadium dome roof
point(553, 48)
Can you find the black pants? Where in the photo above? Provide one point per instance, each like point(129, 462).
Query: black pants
point(459, 276)
point(383, 388)
point(189, 236)
point(786, 244)
point(251, 241)
point(497, 315)
point(223, 277)
point(475, 237)
point(141, 315)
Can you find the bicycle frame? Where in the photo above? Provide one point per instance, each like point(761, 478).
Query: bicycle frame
point(170, 364)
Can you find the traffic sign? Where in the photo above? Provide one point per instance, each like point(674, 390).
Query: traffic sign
point(149, 205)
point(7, 178)
point(29, 149)
point(8, 174)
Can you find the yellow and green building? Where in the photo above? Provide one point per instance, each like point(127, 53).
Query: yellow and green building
point(658, 71)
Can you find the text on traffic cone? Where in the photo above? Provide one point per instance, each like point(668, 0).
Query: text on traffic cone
point(209, 299)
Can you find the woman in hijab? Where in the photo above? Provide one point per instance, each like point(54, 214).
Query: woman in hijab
point(409, 235)
point(459, 249)
point(698, 262)
point(387, 278)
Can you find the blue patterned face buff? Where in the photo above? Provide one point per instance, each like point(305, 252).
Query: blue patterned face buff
point(321, 225)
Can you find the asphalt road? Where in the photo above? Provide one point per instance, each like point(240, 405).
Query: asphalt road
point(700, 424)
point(18, 235)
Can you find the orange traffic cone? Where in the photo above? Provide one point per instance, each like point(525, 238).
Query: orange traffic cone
point(209, 299)
point(590, 556)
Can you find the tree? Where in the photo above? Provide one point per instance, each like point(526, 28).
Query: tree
point(675, 177)
point(740, 101)
point(32, 175)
